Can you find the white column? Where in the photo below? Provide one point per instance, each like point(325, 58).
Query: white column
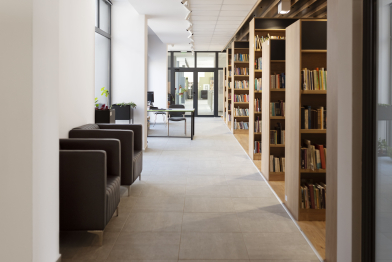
point(129, 60)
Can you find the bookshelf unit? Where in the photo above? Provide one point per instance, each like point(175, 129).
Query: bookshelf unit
point(259, 27)
point(239, 47)
point(305, 48)
point(224, 94)
point(228, 88)
point(273, 61)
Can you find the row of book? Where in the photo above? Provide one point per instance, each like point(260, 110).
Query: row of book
point(313, 195)
point(278, 135)
point(278, 81)
point(241, 125)
point(277, 108)
point(258, 84)
point(258, 125)
point(314, 79)
point(259, 41)
point(313, 118)
point(257, 105)
point(313, 156)
point(258, 64)
point(257, 147)
point(241, 57)
point(241, 98)
point(277, 164)
point(244, 84)
point(241, 71)
point(241, 111)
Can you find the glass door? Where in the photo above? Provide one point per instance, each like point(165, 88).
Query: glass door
point(184, 89)
point(205, 90)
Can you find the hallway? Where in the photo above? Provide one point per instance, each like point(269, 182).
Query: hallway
point(200, 200)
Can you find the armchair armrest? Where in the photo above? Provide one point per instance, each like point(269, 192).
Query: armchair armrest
point(112, 148)
point(82, 189)
point(137, 131)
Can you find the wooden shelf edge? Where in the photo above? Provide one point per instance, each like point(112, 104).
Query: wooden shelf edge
point(313, 131)
point(277, 145)
point(316, 171)
point(313, 50)
point(278, 90)
point(277, 117)
point(314, 92)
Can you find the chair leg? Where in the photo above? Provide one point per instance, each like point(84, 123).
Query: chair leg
point(117, 211)
point(99, 233)
point(155, 120)
point(129, 191)
point(140, 176)
point(185, 126)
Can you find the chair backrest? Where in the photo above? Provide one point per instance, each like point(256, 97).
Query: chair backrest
point(153, 107)
point(88, 127)
point(176, 114)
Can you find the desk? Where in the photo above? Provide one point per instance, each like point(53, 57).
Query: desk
point(192, 111)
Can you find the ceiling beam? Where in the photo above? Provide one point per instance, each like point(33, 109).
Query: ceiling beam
point(322, 15)
point(306, 5)
point(274, 3)
point(320, 7)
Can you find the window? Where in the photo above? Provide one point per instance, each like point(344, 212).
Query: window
point(206, 60)
point(185, 60)
point(102, 50)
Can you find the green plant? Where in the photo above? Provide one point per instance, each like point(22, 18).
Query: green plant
point(384, 105)
point(96, 102)
point(131, 104)
point(105, 92)
point(389, 151)
point(382, 146)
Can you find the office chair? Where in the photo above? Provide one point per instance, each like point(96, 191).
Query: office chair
point(176, 116)
point(158, 113)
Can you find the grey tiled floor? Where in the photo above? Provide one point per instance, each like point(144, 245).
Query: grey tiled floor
point(200, 200)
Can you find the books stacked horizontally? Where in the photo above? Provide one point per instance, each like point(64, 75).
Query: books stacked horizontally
point(314, 79)
point(278, 81)
point(241, 112)
point(243, 71)
point(313, 195)
point(277, 108)
point(257, 147)
point(258, 84)
point(277, 136)
point(315, 118)
point(241, 57)
point(313, 157)
point(257, 105)
point(244, 84)
point(259, 41)
point(258, 64)
point(241, 125)
point(258, 125)
point(277, 164)
point(241, 98)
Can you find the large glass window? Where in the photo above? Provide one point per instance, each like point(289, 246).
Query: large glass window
point(206, 60)
point(102, 51)
point(185, 60)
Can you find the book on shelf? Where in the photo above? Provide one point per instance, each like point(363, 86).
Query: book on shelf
point(278, 81)
point(241, 71)
point(277, 108)
point(241, 125)
point(313, 157)
point(277, 164)
point(258, 125)
point(241, 98)
point(257, 105)
point(315, 118)
point(241, 111)
point(314, 79)
point(229, 73)
point(241, 57)
point(259, 41)
point(229, 117)
point(313, 195)
point(278, 135)
point(257, 147)
point(258, 84)
point(258, 64)
point(244, 84)
point(229, 96)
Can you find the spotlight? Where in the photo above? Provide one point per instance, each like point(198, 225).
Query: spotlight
point(189, 28)
point(188, 15)
point(284, 6)
point(184, 2)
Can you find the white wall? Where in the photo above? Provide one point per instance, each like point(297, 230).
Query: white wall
point(129, 60)
point(77, 70)
point(29, 51)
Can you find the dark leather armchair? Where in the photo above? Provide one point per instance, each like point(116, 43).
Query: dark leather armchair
point(131, 138)
point(90, 176)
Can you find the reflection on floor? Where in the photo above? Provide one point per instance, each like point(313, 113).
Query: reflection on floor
point(200, 200)
point(204, 108)
point(314, 230)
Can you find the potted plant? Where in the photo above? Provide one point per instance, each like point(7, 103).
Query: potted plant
point(124, 111)
point(382, 147)
point(384, 112)
point(104, 114)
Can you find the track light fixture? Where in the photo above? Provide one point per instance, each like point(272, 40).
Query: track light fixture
point(189, 28)
point(188, 16)
point(284, 6)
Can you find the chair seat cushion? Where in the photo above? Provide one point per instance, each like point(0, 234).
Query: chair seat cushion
point(177, 118)
point(112, 195)
point(137, 163)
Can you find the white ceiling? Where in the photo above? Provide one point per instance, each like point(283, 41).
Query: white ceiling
point(214, 21)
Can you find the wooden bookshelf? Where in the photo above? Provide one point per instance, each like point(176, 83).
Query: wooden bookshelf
point(224, 94)
point(260, 27)
point(228, 101)
point(305, 48)
point(239, 47)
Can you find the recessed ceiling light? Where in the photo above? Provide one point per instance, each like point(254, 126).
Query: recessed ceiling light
point(284, 6)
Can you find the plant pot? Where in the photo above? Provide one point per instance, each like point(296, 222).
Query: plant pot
point(107, 116)
point(384, 112)
point(124, 113)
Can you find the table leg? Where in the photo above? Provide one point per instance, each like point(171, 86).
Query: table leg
point(167, 117)
point(192, 125)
